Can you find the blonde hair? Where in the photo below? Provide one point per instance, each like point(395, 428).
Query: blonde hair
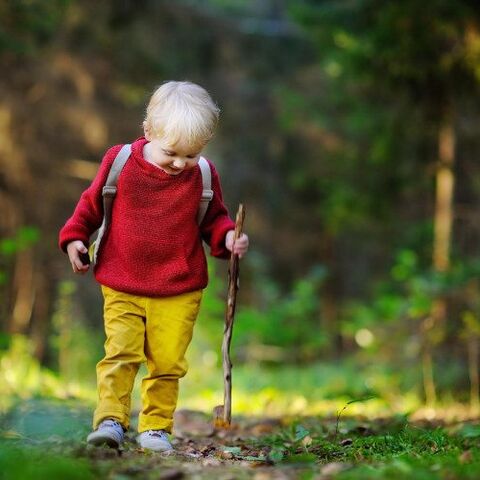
point(182, 111)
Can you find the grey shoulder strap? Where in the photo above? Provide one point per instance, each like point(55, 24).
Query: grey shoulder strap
point(108, 192)
point(116, 169)
point(207, 193)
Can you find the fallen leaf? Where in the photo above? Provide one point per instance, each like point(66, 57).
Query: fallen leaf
point(207, 449)
point(276, 454)
point(253, 458)
point(192, 452)
point(307, 441)
point(227, 455)
point(359, 457)
point(264, 427)
point(189, 422)
point(465, 457)
point(193, 455)
point(271, 475)
point(171, 474)
point(264, 476)
point(300, 433)
point(168, 453)
point(233, 450)
point(11, 434)
point(211, 462)
point(363, 429)
point(333, 468)
point(470, 431)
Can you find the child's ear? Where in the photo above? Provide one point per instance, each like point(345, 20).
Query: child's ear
point(147, 131)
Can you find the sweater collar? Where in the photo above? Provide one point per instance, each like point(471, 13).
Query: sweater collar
point(149, 168)
point(137, 155)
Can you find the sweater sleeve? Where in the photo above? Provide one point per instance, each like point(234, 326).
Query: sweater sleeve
point(217, 222)
point(88, 214)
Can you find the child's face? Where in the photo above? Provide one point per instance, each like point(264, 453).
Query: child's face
point(173, 159)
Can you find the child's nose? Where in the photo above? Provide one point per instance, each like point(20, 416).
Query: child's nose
point(179, 163)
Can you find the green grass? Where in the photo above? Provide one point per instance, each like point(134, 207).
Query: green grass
point(258, 389)
point(35, 463)
point(43, 428)
point(44, 439)
point(319, 388)
point(384, 449)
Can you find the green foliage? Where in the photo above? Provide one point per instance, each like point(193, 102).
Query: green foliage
point(262, 388)
point(360, 158)
point(43, 440)
point(377, 450)
point(22, 376)
point(35, 464)
point(289, 320)
point(328, 132)
point(26, 25)
point(470, 431)
point(405, 43)
point(278, 330)
point(75, 345)
point(409, 292)
point(25, 237)
point(47, 419)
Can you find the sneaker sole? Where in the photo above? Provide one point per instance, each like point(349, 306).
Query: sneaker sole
point(99, 440)
point(158, 450)
point(161, 450)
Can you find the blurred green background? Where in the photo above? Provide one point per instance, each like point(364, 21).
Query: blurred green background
point(350, 130)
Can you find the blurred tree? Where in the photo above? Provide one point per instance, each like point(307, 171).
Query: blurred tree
point(332, 122)
point(428, 53)
point(77, 77)
point(28, 25)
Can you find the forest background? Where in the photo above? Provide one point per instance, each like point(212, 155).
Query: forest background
point(349, 129)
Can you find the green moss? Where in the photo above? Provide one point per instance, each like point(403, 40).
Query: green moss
point(25, 463)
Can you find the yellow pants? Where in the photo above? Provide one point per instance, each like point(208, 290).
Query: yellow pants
point(137, 328)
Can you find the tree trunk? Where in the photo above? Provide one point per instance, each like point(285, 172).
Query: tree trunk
point(42, 311)
point(433, 326)
point(444, 197)
point(24, 292)
point(472, 344)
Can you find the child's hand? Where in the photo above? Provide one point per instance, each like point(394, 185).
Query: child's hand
point(241, 245)
point(74, 249)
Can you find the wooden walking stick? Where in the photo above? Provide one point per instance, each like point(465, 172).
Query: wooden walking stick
point(223, 413)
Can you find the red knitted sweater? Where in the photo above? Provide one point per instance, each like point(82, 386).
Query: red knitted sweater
point(153, 246)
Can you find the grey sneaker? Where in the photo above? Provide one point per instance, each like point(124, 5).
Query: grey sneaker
point(109, 431)
point(156, 440)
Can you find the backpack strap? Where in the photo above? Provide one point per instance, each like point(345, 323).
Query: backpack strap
point(108, 192)
point(207, 193)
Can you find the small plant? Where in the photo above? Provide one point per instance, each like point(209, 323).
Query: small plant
point(339, 414)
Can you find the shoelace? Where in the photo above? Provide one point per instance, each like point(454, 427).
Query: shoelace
point(156, 433)
point(111, 423)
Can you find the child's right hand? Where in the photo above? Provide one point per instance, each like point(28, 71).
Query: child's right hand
point(74, 249)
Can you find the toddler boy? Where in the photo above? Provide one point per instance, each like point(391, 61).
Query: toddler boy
point(152, 266)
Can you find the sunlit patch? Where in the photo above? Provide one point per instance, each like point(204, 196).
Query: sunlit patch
point(258, 390)
point(299, 404)
point(364, 337)
point(209, 358)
